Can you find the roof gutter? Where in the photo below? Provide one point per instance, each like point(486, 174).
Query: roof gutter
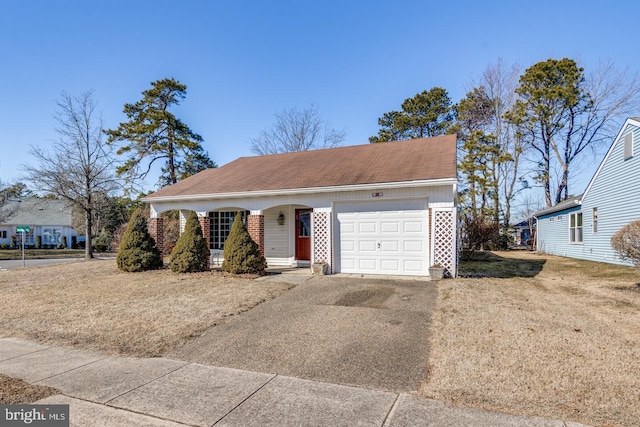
point(308, 190)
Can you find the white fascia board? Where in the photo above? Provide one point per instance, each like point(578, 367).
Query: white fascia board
point(308, 190)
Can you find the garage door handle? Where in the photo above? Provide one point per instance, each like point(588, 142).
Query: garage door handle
point(378, 245)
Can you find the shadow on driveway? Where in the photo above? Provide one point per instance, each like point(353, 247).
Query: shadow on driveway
point(356, 331)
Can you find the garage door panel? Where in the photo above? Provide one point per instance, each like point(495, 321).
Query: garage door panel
point(367, 227)
point(413, 227)
point(348, 246)
point(389, 227)
point(415, 246)
point(389, 246)
point(383, 237)
point(414, 266)
point(390, 266)
point(367, 264)
point(348, 264)
point(367, 245)
point(348, 228)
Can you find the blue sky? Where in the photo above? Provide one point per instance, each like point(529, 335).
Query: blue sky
point(243, 61)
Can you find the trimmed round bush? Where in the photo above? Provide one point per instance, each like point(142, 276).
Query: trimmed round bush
point(138, 251)
point(191, 253)
point(241, 253)
point(626, 242)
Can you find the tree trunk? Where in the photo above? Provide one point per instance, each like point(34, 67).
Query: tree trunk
point(88, 247)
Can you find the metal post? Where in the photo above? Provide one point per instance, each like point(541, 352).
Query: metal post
point(23, 264)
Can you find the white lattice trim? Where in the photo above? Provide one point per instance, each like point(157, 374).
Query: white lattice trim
point(321, 237)
point(443, 238)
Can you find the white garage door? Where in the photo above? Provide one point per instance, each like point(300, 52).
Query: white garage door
point(389, 237)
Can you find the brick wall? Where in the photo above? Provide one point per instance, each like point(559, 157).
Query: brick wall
point(255, 226)
point(205, 224)
point(156, 230)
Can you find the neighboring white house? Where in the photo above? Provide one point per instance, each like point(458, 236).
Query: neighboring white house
point(385, 208)
point(49, 219)
point(582, 226)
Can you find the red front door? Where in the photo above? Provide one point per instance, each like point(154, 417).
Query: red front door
point(303, 234)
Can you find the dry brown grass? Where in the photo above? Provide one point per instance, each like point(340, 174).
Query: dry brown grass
point(17, 392)
point(564, 343)
point(92, 305)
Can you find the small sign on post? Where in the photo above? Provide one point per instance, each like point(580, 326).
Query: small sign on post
point(24, 229)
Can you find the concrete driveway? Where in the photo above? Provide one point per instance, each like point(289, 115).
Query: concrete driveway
point(355, 331)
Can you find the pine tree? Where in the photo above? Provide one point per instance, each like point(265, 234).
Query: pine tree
point(138, 251)
point(241, 253)
point(153, 133)
point(191, 253)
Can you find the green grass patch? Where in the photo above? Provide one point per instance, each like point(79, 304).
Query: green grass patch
point(477, 264)
point(7, 254)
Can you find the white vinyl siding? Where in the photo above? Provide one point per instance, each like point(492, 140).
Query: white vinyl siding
point(276, 236)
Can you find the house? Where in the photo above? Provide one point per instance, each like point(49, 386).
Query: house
point(49, 219)
point(385, 208)
point(582, 226)
point(524, 231)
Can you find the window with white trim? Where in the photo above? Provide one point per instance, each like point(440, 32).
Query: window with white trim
point(575, 227)
point(51, 236)
point(3, 234)
point(595, 220)
point(628, 146)
point(220, 223)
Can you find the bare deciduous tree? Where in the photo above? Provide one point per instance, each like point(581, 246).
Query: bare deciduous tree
point(297, 130)
point(79, 164)
point(500, 82)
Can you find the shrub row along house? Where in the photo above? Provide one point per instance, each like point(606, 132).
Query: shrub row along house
point(385, 208)
point(582, 226)
point(48, 221)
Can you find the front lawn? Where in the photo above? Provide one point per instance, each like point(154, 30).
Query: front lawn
point(539, 335)
point(94, 306)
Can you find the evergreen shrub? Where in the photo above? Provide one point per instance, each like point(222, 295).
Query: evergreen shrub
point(191, 253)
point(241, 254)
point(138, 251)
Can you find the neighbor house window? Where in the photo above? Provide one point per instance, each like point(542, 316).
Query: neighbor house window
point(628, 146)
point(3, 234)
point(595, 220)
point(220, 225)
point(575, 227)
point(51, 236)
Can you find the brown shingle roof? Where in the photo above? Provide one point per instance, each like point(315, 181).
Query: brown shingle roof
point(418, 159)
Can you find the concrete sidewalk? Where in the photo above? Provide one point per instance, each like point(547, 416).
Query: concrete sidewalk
point(116, 391)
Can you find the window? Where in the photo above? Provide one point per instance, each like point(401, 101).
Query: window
point(595, 220)
point(51, 236)
point(220, 225)
point(575, 227)
point(3, 234)
point(628, 146)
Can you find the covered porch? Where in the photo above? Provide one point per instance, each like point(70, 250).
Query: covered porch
point(286, 234)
